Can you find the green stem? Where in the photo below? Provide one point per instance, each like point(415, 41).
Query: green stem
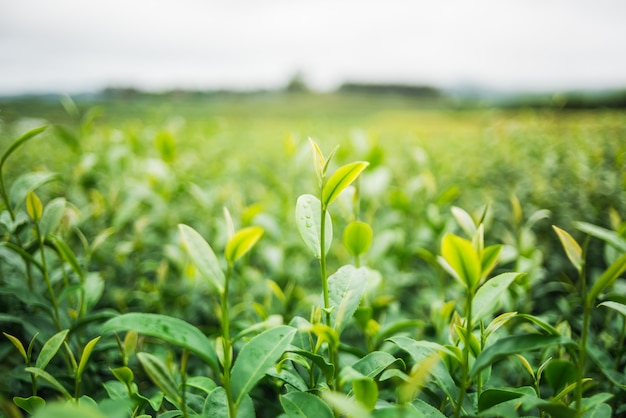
point(183, 374)
point(587, 306)
point(226, 345)
point(53, 298)
point(466, 349)
point(323, 265)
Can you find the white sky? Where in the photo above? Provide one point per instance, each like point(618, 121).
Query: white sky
point(78, 45)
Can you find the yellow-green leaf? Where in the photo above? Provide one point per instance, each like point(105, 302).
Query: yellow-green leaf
point(85, 357)
point(461, 260)
point(242, 242)
point(571, 247)
point(18, 344)
point(34, 208)
point(357, 237)
point(341, 179)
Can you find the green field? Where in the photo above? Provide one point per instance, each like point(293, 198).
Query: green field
point(461, 202)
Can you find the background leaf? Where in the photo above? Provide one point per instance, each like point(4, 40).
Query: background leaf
point(202, 257)
point(345, 289)
point(305, 405)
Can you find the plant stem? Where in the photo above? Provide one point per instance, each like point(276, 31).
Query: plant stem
point(587, 306)
point(53, 298)
point(227, 347)
point(466, 349)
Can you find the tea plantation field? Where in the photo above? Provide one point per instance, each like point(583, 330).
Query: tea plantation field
point(310, 256)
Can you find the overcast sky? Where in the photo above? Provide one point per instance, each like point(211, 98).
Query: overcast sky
point(77, 45)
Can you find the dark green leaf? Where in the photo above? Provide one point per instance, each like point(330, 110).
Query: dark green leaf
point(514, 345)
point(173, 330)
point(256, 357)
point(160, 375)
point(559, 373)
point(48, 378)
point(304, 405)
point(30, 404)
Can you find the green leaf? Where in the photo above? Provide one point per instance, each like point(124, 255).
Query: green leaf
point(27, 183)
point(340, 180)
point(348, 407)
point(606, 235)
point(18, 344)
point(242, 242)
point(327, 368)
point(84, 358)
point(464, 220)
point(160, 376)
point(489, 259)
point(461, 260)
point(345, 289)
point(173, 330)
point(76, 410)
point(34, 208)
point(599, 411)
point(514, 345)
point(571, 247)
point(256, 357)
point(408, 390)
point(304, 405)
point(357, 237)
point(124, 374)
point(559, 374)
point(30, 404)
point(618, 307)
point(494, 396)
point(374, 363)
point(486, 300)
point(50, 348)
point(67, 254)
point(422, 410)
point(19, 141)
point(202, 383)
point(308, 221)
point(202, 257)
point(52, 215)
point(93, 288)
point(365, 391)
point(607, 278)
point(36, 371)
point(216, 405)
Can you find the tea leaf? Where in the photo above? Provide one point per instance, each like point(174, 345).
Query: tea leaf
point(216, 406)
point(50, 348)
point(489, 259)
point(173, 330)
point(242, 242)
point(514, 345)
point(160, 376)
point(607, 278)
point(464, 220)
point(27, 183)
point(67, 255)
point(571, 247)
point(559, 373)
point(357, 237)
point(202, 257)
point(494, 396)
point(365, 391)
point(84, 358)
point(48, 378)
point(256, 356)
point(52, 215)
point(124, 374)
point(348, 407)
point(486, 300)
point(304, 405)
point(608, 236)
point(374, 363)
point(345, 289)
point(18, 344)
point(618, 307)
point(308, 221)
point(341, 179)
point(34, 208)
point(461, 260)
point(202, 383)
point(30, 404)
point(418, 377)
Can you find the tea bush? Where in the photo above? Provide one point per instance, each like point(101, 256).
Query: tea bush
point(204, 258)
